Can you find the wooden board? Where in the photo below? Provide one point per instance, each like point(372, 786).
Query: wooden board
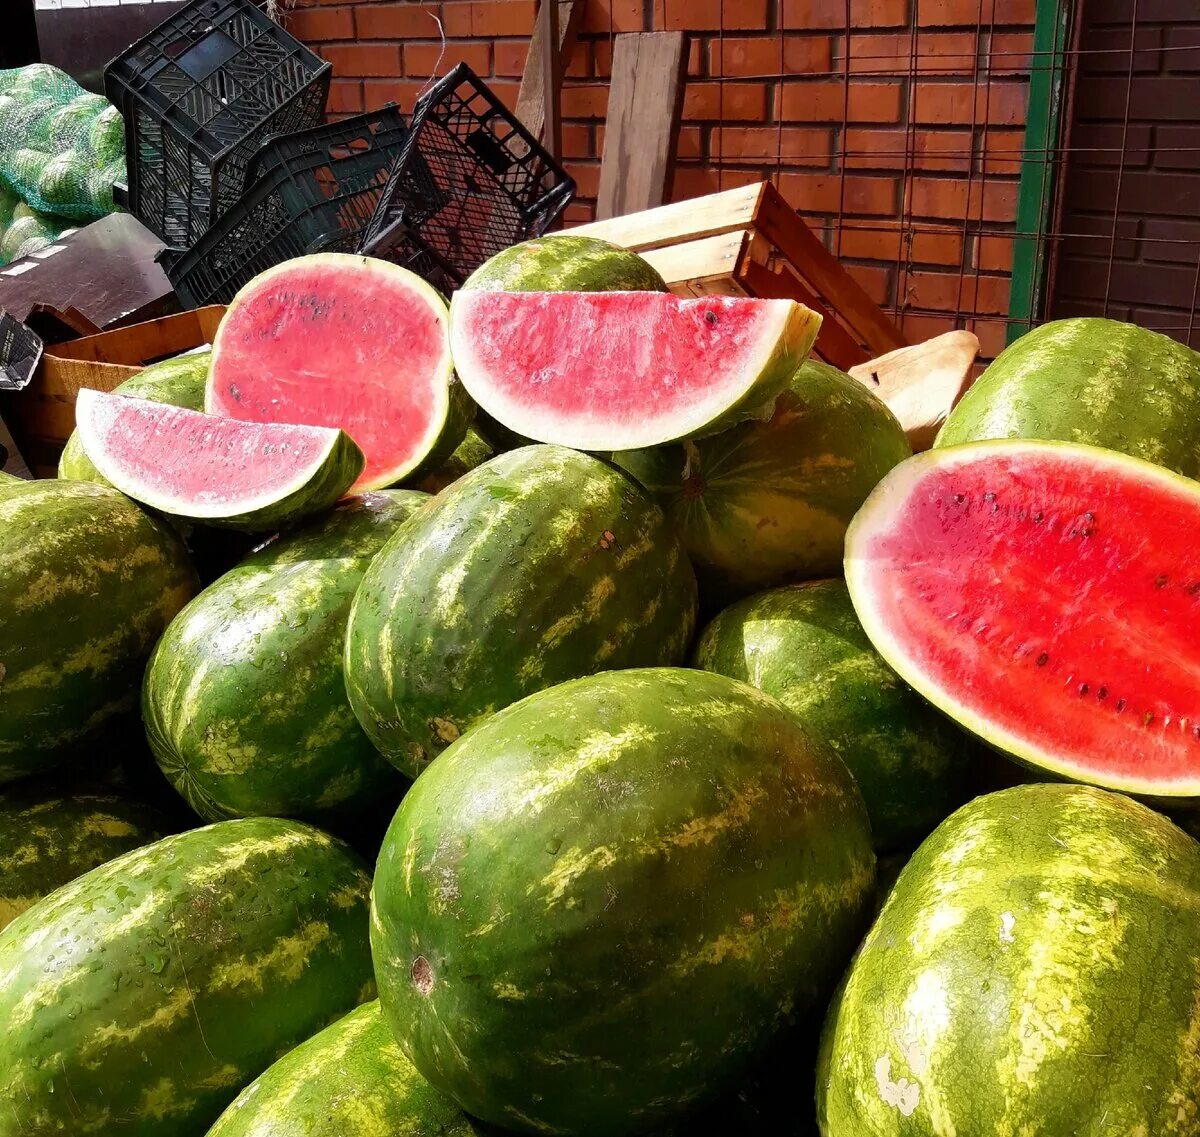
point(531, 100)
point(706, 267)
point(644, 108)
point(921, 384)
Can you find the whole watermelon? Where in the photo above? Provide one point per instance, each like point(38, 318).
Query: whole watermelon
point(766, 503)
point(48, 838)
point(1034, 971)
point(1100, 382)
point(245, 701)
point(351, 1080)
point(804, 645)
point(566, 263)
point(144, 995)
point(178, 382)
point(89, 583)
point(541, 565)
point(601, 904)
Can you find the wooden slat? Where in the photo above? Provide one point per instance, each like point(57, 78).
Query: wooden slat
point(834, 344)
point(644, 108)
point(552, 73)
point(922, 383)
point(681, 221)
point(706, 260)
point(786, 230)
point(531, 105)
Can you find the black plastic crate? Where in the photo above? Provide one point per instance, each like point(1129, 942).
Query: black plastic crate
point(310, 191)
point(471, 182)
point(199, 95)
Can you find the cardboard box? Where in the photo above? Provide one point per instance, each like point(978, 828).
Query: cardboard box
point(42, 416)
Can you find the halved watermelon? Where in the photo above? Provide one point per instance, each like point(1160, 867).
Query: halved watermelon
point(622, 370)
point(350, 342)
point(1047, 596)
point(242, 475)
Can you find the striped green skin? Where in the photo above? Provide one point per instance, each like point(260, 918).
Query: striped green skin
point(566, 263)
point(473, 451)
point(244, 700)
point(48, 839)
point(89, 583)
point(804, 646)
point(539, 566)
point(178, 382)
point(601, 904)
point(1033, 971)
point(8, 479)
point(351, 1080)
point(143, 996)
point(768, 502)
point(1099, 382)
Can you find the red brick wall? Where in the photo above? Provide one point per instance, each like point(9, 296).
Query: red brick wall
point(896, 136)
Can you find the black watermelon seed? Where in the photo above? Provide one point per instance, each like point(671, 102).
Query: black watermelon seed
point(1043, 659)
point(1102, 694)
point(1083, 688)
point(1120, 705)
point(1160, 581)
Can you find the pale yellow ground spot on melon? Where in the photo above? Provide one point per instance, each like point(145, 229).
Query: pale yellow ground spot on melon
point(163, 1100)
point(285, 962)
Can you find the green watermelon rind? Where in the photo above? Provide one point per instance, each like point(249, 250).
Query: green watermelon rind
point(876, 515)
point(566, 263)
point(316, 487)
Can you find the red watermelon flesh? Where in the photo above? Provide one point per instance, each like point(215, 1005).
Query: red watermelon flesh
point(340, 341)
point(621, 370)
point(256, 476)
point(1047, 596)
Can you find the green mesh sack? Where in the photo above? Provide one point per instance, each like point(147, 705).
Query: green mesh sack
point(61, 147)
point(29, 231)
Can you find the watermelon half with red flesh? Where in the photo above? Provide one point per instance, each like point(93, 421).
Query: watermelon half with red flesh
point(348, 342)
point(255, 476)
point(1047, 596)
point(606, 371)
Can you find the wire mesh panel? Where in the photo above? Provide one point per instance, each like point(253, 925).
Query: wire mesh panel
point(199, 94)
point(471, 182)
point(311, 191)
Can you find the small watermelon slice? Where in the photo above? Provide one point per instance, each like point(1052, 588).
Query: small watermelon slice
point(255, 476)
point(1047, 596)
point(349, 342)
point(622, 370)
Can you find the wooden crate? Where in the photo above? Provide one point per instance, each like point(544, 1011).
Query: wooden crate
point(750, 242)
point(42, 416)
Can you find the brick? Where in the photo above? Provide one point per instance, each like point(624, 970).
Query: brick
point(587, 177)
point(502, 17)
point(360, 60)
point(711, 15)
point(602, 58)
point(875, 280)
point(699, 181)
point(697, 57)
point(690, 143)
point(809, 15)
point(589, 101)
point(889, 241)
point(1010, 53)
point(974, 13)
point(397, 21)
point(1107, 50)
point(579, 66)
point(830, 193)
point(580, 213)
point(1004, 152)
point(994, 253)
point(917, 327)
point(403, 92)
point(955, 292)
point(992, 335)
point(1172, 240)
point(801, 55)
point(346, 97)
point(791, 145)
point(954, 199)
point(936, 53)
point(897, 148)
point(827, 102)
point(605, 16)
point(725, 102)
point(1155, 98)
point(509, 56)
point(1184, 45)
point(421, 60)
point(577, 141)
point(999, 103)
point(316, 25)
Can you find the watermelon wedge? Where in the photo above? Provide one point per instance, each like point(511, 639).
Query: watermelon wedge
point(349, 342)
point(1047, 596)
point(621, 370)
point(241, 475)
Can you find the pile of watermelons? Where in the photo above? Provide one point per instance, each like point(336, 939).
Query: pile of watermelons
point(550, 688)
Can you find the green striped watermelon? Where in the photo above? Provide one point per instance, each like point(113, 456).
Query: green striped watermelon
point(143, 996)
point(179, 382)
point(1034, 971)
point(1094, 381)
point(566, 263)
point(768, 502)
point(539, 566)
point(597, 907)
point(89, 582)
point(351, 1080)
point(804, 646)
point(244, 699)
point(48, 839)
